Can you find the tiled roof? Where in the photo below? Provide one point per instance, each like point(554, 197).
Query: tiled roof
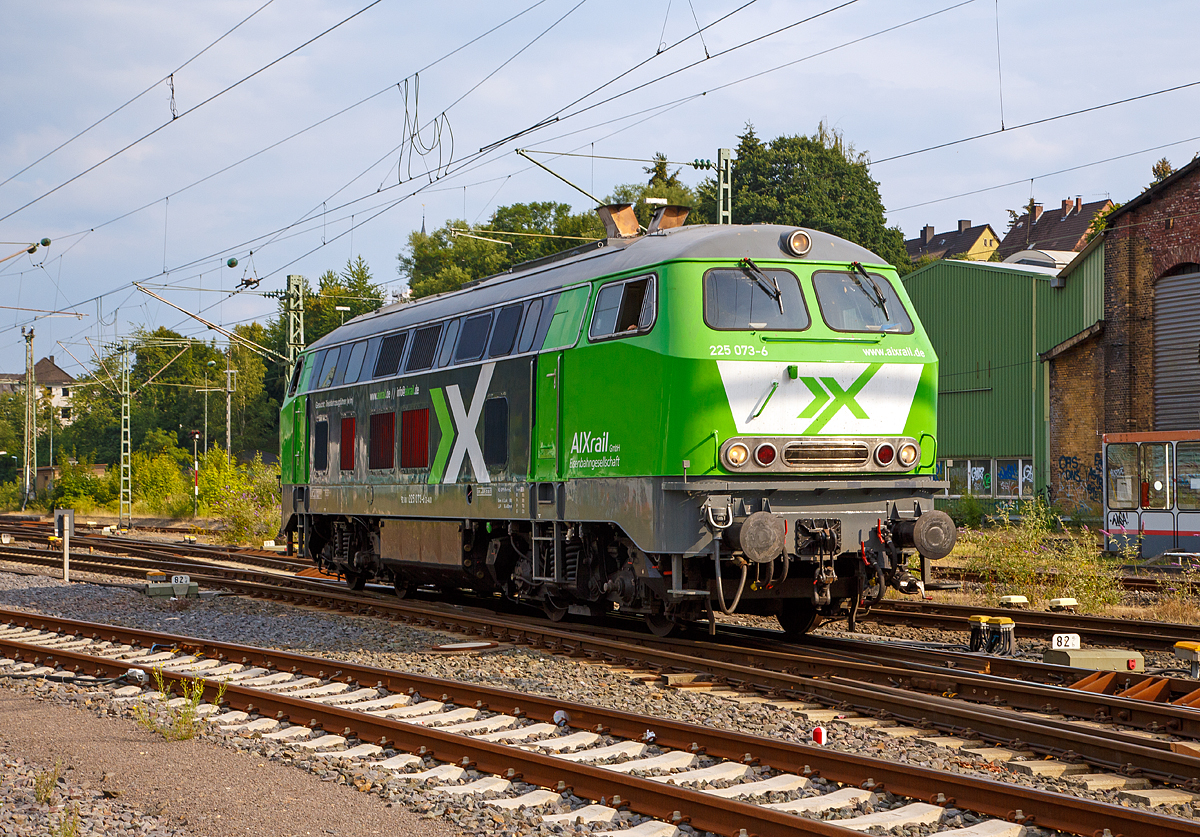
point(1053, 229)
point(949, 243)
point(46, 372)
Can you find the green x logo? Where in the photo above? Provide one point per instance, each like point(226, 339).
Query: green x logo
point(835, 398)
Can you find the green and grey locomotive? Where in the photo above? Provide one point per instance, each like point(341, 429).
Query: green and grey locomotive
point(675, 422)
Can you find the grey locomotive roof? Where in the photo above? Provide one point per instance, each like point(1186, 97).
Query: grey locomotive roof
point(699, 241)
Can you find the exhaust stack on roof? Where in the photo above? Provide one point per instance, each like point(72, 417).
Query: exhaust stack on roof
point(667, 218)
point(619, 219)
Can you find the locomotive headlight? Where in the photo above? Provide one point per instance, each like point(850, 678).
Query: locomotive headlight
point(908, 454)
point(884, 454)
point(737, 455)
point(797, 243)
point(765, 454)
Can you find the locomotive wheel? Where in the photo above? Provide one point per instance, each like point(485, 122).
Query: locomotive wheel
point(796, 616)
point(660, 624)
point(554, 611)
point(355, 581)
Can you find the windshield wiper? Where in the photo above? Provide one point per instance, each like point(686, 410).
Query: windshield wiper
point(880, 302)
point(769, 285)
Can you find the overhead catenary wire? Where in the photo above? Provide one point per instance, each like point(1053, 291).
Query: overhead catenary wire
point(606, 157)
point(417, 129)
point(312, 126)
point(120, 108)
point(369, 218)
point(1047, 174)
point(555, 117)
point(1042, 121)
point(999, 67)
point(668, 105)
point(190, 110)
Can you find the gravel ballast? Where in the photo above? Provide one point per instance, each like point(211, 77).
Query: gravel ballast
point(384, 644)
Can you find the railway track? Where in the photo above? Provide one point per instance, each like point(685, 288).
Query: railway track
point(1138, 579)
point(1123, 632)
point(523, 738)
point(981, 700)
point(126, 545)
point(851, 677)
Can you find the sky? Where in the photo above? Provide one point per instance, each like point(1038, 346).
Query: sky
point(282, 134)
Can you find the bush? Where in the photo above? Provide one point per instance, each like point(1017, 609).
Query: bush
point(967, 511)
point(159, 484)
point(249, 509)
point(1030, 558)
point(10, 495)
point(78, 488)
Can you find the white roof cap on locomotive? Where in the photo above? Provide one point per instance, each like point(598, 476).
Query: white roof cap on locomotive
point(765, 242)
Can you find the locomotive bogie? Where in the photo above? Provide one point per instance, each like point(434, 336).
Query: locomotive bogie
point(699, 421)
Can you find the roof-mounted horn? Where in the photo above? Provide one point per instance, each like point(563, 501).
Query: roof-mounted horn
point(668, 217)
point(619, 219)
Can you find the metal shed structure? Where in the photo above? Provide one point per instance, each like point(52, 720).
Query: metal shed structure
point(995, 327)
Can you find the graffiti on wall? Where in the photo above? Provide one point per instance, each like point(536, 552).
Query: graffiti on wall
point(1077, 484)
point(980, 478)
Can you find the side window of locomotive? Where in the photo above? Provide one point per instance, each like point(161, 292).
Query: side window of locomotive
point(316, 363)
point(624, 308)
point(354, 365)
point(295, 382)
point(390, 351)
point(854, 302)
point(473, 338)
point(346, 449)
point(321, 445)
point(424, 347)
point(414, 438)
point(565, 312)
point(1121, 461)
point(382, 450)
point(495, 432)
point(504, 335)
point(743, 299)
point(344, 374)
point(370, 357)
point(530, 329)
point(329, 369)
point(448, 344)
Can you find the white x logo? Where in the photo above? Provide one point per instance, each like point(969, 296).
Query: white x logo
point(465, 421)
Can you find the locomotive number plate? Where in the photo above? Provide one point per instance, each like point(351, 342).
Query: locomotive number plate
point(737, 351)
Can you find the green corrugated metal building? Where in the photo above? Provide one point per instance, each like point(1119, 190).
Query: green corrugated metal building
point(990, 323)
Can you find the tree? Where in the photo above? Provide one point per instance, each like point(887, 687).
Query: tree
point(659, 175)
point(663, 183)
point(457, 253)
point(1161, 171)
point(1100, 221)
point(821, 181)
point(353, 288)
